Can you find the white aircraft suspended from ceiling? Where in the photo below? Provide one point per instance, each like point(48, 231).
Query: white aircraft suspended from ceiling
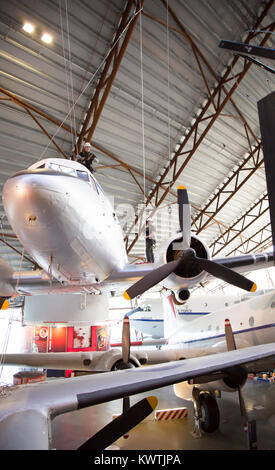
point(45, 208)
point(63, 219)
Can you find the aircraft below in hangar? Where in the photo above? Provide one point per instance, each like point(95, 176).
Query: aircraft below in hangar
point(208, 353)
point(50, 224)
point(148, 318)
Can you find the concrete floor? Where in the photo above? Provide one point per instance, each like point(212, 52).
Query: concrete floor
point(72, 429)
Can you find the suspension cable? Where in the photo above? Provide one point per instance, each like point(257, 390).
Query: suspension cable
point(70, 72)
point(91, 79)
point(168, 90)
point(65, 67)
point(10, 320)
point(142, 106)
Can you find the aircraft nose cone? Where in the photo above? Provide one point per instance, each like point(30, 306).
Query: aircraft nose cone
point(31, 200)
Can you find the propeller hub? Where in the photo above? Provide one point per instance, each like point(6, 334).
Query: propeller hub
point(189, 254)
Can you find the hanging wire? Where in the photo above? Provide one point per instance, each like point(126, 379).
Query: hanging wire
point(11, 319)
point(142, 105)
point(94, 47)
point(91, 79)
point(90, 60)
point(168, 89)
point(65, 67)
point(70, 71)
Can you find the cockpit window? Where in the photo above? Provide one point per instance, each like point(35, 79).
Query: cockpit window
point(54, 166)
point(62, 168)
point(83, 175)
point(99, 189)
point(41, 166)
point(69, 171)
point(66, 169)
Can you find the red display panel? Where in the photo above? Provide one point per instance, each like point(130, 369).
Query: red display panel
point(57, 341)
point(41, 334)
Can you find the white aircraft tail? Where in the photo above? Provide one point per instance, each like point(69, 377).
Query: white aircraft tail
point(172, 320)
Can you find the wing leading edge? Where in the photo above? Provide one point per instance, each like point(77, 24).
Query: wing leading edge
point(38, 282)
point(34, 405)
point(60, 396)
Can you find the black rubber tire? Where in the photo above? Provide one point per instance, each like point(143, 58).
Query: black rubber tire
point(210, 413)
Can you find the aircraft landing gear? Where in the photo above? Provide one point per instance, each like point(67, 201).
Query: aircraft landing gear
point(206, 412)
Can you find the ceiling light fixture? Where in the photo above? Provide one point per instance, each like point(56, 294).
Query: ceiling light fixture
point(46, 38)
point(28, 27)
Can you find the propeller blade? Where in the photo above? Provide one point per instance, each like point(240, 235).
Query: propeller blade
point(125, 404)
point(184, 217)
point(121, 425)
point(126, 340)
point(226, 274)
point(230, 340)
point(250, 426)
point(4, 303)
point(151, 279)
point(266, 107)
point(231, 346)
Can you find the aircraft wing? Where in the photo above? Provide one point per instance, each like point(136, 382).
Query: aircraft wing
point(32, 406)
point(38, 282)
point(63, 395)
point(95, 361)
point(246, 263)
point(111, 386)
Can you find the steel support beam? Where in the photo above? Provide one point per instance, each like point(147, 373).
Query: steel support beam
point(259, 240)
point(236, 229)
point(30, 109)
point(117, 51)
point(19, 252)
point(195, 136)
point(238, 178)
point(134, 172)
point(25, 104)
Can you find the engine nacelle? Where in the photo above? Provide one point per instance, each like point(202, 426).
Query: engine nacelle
point(236, 377)
point(181, 296)
point(185, 276)
point(112, 359)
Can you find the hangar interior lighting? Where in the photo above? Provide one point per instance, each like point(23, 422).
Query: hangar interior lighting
point(28, 27)
point(46, 38)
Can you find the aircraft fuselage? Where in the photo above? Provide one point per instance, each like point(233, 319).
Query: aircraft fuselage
point(61, 216)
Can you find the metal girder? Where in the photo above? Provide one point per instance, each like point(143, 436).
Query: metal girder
point(261, 239)
point(30, 109)
point(238, 178)
point(25, 104)
point(19, 252)
point(134, 172)
point(243, 48)
point(195, 136)
point(109, 72)
point(245, 221)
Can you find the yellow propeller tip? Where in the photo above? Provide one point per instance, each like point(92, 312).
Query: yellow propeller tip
point(5, 305)
point(253, 288)
point(181, 187)
point(126, 296)
point(153, 401)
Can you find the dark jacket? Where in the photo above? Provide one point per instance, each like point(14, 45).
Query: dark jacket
point(87, 159)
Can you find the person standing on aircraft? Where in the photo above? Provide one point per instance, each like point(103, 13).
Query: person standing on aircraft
point(150, 240)
point(87, 158)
